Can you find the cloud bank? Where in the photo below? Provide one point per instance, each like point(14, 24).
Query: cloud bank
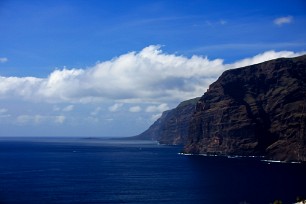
point(148, 76)
point(122, 96)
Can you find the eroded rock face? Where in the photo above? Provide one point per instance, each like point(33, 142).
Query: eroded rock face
point(172, 127)
point(255, 110)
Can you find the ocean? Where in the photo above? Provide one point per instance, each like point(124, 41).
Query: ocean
point(93, 170)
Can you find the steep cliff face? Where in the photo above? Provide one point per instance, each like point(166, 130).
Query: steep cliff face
point(172, 127)
point(255, 110)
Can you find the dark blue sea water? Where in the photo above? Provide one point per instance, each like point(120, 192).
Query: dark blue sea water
point(114, 171)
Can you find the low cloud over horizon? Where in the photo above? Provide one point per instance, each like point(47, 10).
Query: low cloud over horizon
point(148, 76)
point(143, 84)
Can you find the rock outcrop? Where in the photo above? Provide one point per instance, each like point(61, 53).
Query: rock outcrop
point(172, 127)
point(255, 110)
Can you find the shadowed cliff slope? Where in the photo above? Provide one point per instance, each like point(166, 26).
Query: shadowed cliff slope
point(255, 110)
point(172, 127)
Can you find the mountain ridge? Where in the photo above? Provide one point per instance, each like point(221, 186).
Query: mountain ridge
point(173, 125)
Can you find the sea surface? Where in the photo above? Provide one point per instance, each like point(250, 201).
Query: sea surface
point(91, 170)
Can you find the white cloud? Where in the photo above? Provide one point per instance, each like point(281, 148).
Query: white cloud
point(135, 109)
point(155, 116)
point(23, 119)
point(56, 108)
point(146, 76)
point(283, 20)
point(39, 119)
point(149, 76)
point(160, 108)
point(96, 111)
point(3, 59)
point(4, 113)
point(145, 83)
point(269, 55)
point(59, 119)
point(91, 119)
point(62, 85)
point(34, 119)
point(24, 87)
point(115, 107)
point(3, 110)
point(68, 108)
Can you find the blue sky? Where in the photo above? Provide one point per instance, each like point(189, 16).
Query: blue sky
point(109, 68)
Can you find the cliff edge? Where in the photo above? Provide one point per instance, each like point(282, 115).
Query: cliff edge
point(258, 110)
point(173, 126)
point(255, 110)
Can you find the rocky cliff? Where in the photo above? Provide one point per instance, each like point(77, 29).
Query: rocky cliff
point(172, 127)
point(255, 110)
